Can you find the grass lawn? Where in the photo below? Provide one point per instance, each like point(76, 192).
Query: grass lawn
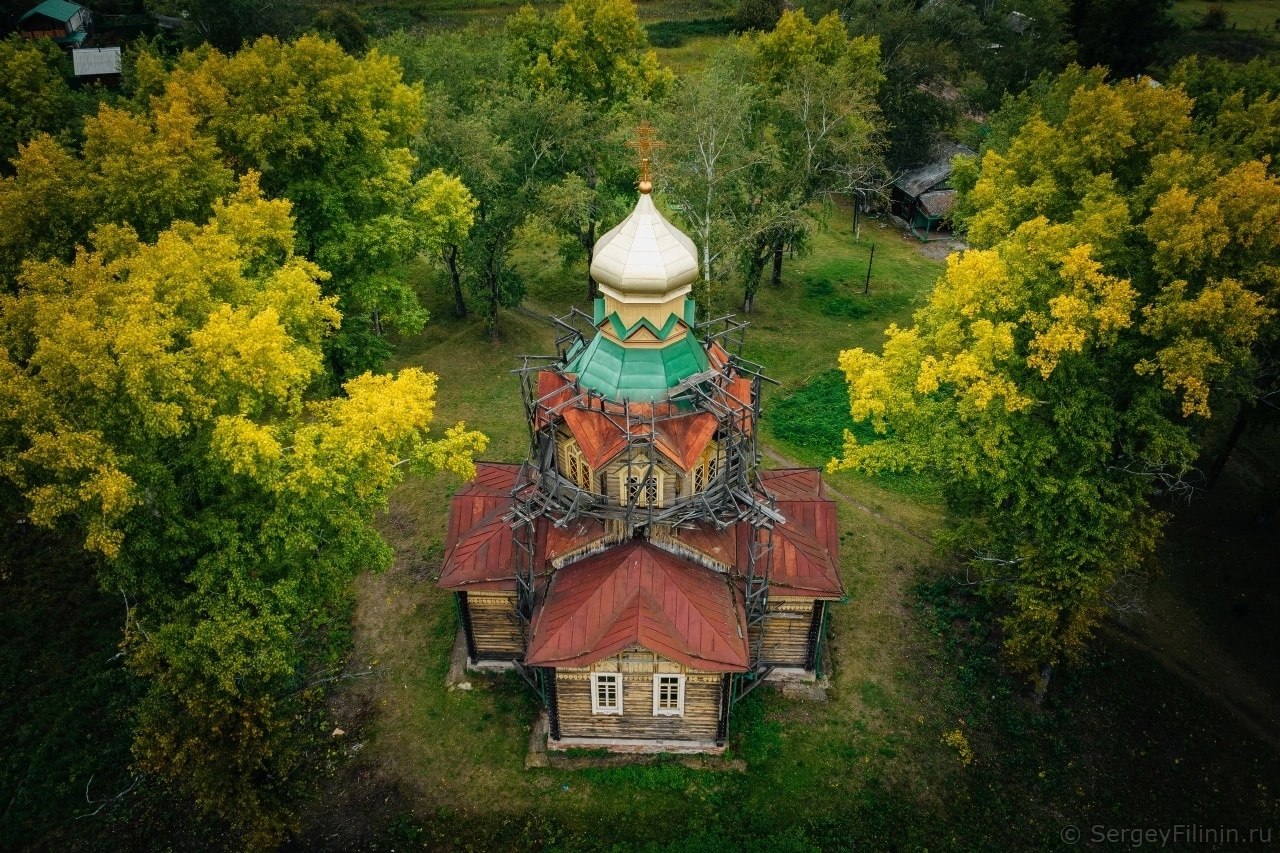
point(924, 741)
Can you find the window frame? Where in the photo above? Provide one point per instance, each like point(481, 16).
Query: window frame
point(648, 488)
point(574, 466)
point(678, 710)
point(607, 710)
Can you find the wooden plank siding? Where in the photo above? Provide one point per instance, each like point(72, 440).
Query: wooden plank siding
point(788, 632)
point(702, 700)
point(495, 628)
point(701, 720)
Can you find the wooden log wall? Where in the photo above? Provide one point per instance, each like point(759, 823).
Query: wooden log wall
point(788, 634)
point(495, 628)
point(701, 708)
point(702, 700)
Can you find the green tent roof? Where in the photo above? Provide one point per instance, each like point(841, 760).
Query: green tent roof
point(632, 373)
point(59, 10)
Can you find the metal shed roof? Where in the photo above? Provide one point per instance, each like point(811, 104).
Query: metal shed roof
point(58, 10)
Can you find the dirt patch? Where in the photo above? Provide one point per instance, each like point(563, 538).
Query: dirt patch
point(938, 250)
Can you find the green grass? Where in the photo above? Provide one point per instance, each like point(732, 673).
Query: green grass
point(1243, 14)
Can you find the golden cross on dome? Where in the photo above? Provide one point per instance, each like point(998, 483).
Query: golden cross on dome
point(644, 143)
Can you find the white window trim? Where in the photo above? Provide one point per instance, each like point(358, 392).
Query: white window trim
point(596, 707)
point(677, 711)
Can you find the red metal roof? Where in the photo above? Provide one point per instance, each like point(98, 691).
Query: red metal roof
point(793, 484)
point(805, 560)
point(637, 594)
point(602, 435)
point(478, 549)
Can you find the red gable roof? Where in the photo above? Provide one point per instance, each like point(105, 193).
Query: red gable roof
point(803, 563)
point(684, 439)
point(636, 594)
point(603, 435)
point(483, 557)
point(478, 547)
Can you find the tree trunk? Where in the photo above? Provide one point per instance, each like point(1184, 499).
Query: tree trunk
point(755, 272)
point(455, 279)
point(590, 243)
point(494, 285)
point(376, 317)
point(778, 246)
point(591, 254)
point(1042, 683)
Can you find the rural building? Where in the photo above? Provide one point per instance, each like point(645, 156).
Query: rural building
point(923, 197)
point(96, 64)
point(66, 23)
point(639, 569)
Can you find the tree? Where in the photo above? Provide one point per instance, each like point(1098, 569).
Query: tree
point(447, 210)
point(34, 96)
point(820, 127)
point(1122, 35)
point(227, 25)
point(596, 52)
point(337, 144)
point(596, 49)
point(143, 171)
point(1065, 370)
point(711, 147)
point(152, 407)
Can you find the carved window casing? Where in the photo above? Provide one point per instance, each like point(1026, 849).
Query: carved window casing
point(668, 695)
point(606, 693)
point(640, 484)
point(573, 465)
point(706, 468)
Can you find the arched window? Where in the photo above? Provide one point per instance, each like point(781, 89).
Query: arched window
point(640, 484)
point(706, 468)
point(573, 465)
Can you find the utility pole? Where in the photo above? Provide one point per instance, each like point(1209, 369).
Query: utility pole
point(866, 288)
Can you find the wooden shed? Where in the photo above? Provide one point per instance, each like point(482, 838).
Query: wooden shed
point(924, 198)
point(68, 24)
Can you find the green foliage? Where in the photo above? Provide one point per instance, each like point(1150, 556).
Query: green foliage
point(759, 15)
point(1122, 35)
point(142, 171)
point(227, 25)
point(154, 410)
point(337, 145)
point(677, 33)
point(34, 96)
point(593, 48)
point(1064, 370)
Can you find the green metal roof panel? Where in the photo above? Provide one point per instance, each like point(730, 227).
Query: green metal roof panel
point(634, 373)
point(59, 10)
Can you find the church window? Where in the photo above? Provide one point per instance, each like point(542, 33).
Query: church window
point(668, 695)
point(606, 693)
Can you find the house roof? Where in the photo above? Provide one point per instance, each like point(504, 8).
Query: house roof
point(806, 549)
point(921, 179)
point(793, 484)
point(479, 549)
point(938, 203)
point(58, 10)
point(637, 594)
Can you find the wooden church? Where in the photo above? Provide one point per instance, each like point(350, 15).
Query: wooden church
point(639, 569)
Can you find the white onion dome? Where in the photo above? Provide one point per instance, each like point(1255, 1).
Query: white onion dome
point(644, 258)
